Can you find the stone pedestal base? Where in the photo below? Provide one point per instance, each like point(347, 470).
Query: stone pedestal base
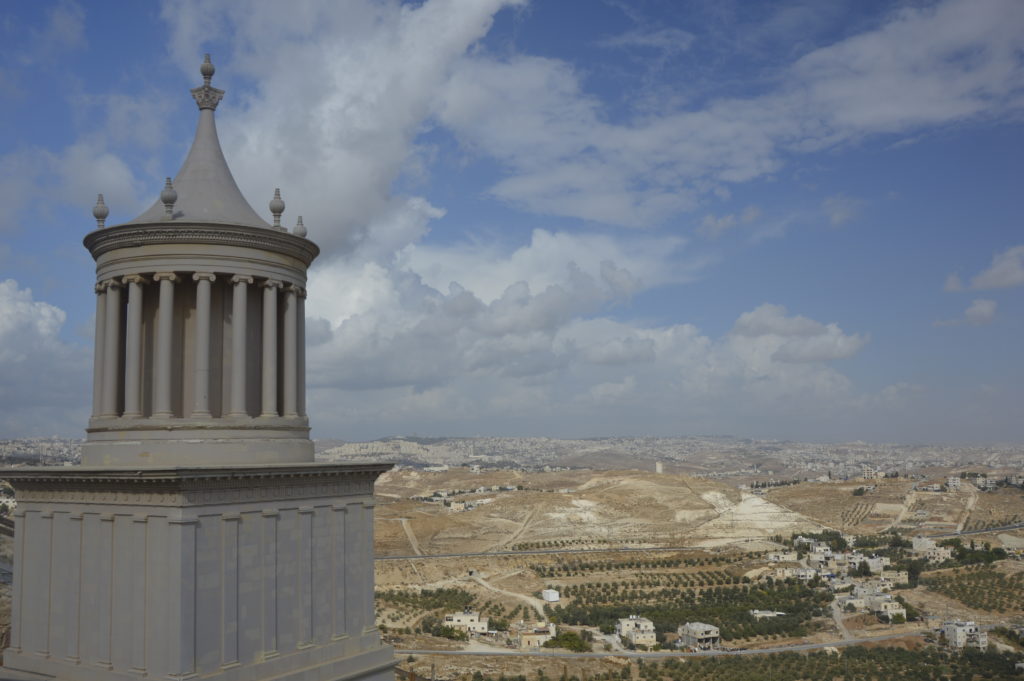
point(235, 573)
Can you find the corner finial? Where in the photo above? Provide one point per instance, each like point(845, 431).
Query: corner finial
point(276, 208)
point(100, 212)
point(207, 70)
point(168, 196)
point(300, 229)
point(207, 96)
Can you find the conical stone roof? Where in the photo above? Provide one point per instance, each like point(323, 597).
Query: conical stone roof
point(206, 190)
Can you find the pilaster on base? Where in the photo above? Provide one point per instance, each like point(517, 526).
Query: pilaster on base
point(229, 573)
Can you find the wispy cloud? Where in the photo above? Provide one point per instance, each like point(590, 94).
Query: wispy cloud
point(1007, 269)
point(980, 312)
point(932, 66)
point(713, 226)
point(840, 209)
point(665, 40)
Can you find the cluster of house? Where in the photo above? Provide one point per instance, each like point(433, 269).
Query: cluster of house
point(524, 634)
point(985, 483)
point(926, 547)
point(831, 565)
point(444, 496)
point(875, 599)
point(840, 571)
point(639, 631)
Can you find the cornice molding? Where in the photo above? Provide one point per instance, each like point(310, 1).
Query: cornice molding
point(192, 486)
point(103, 241)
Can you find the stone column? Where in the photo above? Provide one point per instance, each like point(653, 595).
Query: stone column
point(290, 355)
point(133, 347)
point(201, 380)
point(300, 313)
point(270, 287)
point(164, 342)
point(97, 355)
point(111, 348)
point(239, 331)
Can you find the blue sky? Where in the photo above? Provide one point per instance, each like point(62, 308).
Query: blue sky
point(784, 220)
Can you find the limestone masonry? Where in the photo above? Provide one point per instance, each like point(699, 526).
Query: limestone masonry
point(198, 538)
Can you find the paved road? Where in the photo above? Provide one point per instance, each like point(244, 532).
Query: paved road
point(554, 652)
point(543, 552)
point(1002, 528)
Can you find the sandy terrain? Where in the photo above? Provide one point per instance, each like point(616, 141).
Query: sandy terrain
point(571, 509)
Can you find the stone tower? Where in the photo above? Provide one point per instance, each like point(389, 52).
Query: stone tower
point(198, 538)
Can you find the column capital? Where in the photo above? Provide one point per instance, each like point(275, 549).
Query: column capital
point(169, 276)
point(110, 283)
point(241, 279)
point(204, 276)
point(134, 279)
point(296, 289)
point(100, 287)
point(271, 283)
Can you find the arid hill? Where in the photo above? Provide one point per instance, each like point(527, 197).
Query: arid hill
point(570, 509)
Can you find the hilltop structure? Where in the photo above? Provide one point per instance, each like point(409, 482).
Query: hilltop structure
point(199, 538)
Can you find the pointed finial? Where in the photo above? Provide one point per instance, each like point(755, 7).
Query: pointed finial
point(207, 96)
point(100, 212)
point(300, 229)
point(276, 208)
point(168, 196)
point(207, 70)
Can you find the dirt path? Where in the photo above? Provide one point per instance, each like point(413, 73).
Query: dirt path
point(969, 507)
point(412, 537)
point(908, 503)
point(534, 603)
point(837, 617)
point(518, 533)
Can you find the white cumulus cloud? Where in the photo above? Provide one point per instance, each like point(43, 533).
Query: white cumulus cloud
point(44, 378)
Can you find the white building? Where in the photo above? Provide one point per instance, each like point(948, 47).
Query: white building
point(884, 606)
point(534, 634)
point(939, 554)
point(637, 630)
point(896, 576)
point(931, 551)
point(698, 636)
point(953, 482)
point(782, 557)
point(963, 634)
point(765, 614)
point(467, 620)
point(805, 574)
point(550, 595)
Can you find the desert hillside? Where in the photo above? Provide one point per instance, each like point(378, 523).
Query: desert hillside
point(570, 509)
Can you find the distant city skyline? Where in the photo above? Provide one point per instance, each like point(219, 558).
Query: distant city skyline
point(570, 219)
